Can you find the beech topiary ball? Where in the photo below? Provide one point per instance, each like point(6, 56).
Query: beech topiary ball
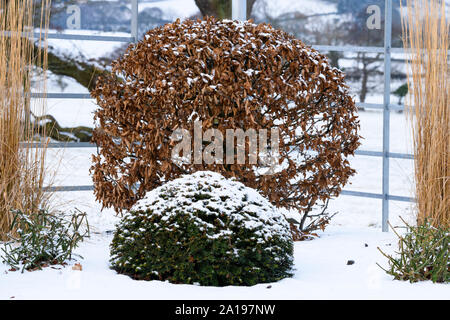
point(229, 75)
point(203, 228)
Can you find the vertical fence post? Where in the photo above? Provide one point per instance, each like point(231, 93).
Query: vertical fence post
point(239, 10)
point(386, 112)
point(134, 20)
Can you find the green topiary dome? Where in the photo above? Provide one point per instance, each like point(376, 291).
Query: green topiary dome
point(203, 228)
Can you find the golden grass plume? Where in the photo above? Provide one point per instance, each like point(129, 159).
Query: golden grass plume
point(22, 170)
point(425, 37)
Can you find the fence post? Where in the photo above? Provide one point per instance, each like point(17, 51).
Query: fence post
point(386, 112)
point(134, 20)
point(239, 10)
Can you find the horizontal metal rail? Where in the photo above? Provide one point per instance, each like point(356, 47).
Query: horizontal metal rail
point(55, 145)
point(394, 107)
point(365, 49)
point(131, 38)
point(376, 196)
point(349, 48)
point(88, 96)
point(380, 154)
point(65, 36)
point(61, 95)
point(343, 192)
point(68, 188)
point(356, 49)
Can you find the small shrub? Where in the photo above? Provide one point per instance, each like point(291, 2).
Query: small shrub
point(44, 239)
point(423, 254)
point(203, 228)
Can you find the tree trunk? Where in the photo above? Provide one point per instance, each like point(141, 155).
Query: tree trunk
point(84, 73)
point(220, 9)
point(364, 80)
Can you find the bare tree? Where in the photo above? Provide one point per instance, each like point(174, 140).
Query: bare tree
point(370, 65)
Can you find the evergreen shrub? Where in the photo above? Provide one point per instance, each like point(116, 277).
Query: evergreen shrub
point(203, 228)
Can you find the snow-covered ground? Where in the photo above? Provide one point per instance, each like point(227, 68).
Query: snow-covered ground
point(321, 273)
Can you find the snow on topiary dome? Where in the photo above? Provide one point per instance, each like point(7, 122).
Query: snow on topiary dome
point(203, 228)
point(211, 193)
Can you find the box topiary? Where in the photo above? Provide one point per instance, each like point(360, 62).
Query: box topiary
point(229, 75)
point(205, 229)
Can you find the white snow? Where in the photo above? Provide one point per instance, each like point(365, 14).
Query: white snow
point(306, 7)
point(86, 49)
point(322, 273)
point(232, 198)
point(172, 9)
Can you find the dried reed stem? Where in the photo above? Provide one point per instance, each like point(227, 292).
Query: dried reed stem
point(426, 32)
point(22, 170)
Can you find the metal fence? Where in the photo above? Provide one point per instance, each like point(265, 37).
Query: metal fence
point(239, 12)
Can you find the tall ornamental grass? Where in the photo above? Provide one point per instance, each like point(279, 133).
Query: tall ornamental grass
point(22, 170)
point(426, 33)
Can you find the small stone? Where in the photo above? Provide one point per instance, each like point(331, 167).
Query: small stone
point(350, 262)
point(268, 287)
point(366, 245)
